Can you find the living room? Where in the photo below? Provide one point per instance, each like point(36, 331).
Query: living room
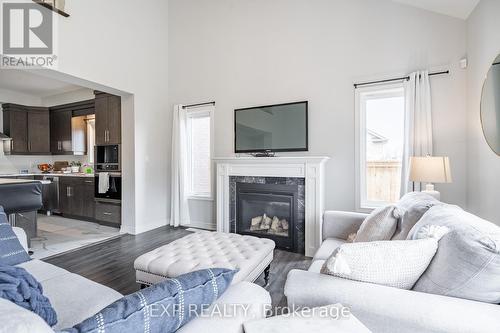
point(332, 116)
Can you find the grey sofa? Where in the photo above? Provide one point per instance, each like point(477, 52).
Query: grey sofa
point(76, 298)
point(381, 308)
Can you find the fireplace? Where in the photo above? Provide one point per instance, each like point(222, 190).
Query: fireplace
point(268, 211)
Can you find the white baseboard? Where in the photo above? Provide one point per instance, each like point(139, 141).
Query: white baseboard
point(142, 229)
point(201, 225)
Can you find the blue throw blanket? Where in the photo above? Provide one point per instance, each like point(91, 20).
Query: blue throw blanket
point(21, 288)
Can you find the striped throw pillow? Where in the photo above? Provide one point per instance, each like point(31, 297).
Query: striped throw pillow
point(160, 308)
point(11, 251)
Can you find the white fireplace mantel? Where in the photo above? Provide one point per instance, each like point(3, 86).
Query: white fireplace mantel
point(310, 168)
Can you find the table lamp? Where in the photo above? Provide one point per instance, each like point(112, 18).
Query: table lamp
point(430, 169)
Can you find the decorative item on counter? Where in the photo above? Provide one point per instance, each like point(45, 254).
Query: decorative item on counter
point(45, 168)
point(75, 166)
point(88, 169)
point(59, 166)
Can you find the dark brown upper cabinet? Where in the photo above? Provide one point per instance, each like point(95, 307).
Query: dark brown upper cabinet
point(29, 128)
point(68, 128)
point(107, 119)
point(60, 134)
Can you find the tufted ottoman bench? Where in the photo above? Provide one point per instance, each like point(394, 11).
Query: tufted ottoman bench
point(200, 250)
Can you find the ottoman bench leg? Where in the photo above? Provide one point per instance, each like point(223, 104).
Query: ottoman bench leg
point(266, 275)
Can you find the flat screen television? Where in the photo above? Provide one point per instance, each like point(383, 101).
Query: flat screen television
point(271, 128)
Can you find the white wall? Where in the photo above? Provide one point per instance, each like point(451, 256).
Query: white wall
point(483, 46)
point(245, 53)
point(78, 95)
point(124, 45)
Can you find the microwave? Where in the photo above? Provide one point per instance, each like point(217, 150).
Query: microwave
point(107, 158)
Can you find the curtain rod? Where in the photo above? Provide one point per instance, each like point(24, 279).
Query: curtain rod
point(405, 78)
point(196, 105)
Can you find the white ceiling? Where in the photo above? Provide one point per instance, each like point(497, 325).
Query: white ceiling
point(456, 8)
point(29, 83)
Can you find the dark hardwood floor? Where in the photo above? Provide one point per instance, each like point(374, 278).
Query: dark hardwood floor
point(111, 263)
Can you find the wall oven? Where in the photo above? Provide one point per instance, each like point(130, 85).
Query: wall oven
point(108, 158)
point(114, 192)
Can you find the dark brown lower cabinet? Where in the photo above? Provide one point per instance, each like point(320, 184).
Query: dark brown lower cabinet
point(108, 213)
point(76, 197)
point(76, 200)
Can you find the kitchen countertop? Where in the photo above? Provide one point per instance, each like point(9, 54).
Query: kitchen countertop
point(14, 181)
point(90, 175)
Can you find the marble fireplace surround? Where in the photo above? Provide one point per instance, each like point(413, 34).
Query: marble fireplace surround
point(310, 169)
point(299, 219)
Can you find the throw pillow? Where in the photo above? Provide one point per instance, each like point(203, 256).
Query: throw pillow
point(412, 207)
point(379, 225)
point(396, 264)
point(467, 263)
point(161, 308)
point(11, 250)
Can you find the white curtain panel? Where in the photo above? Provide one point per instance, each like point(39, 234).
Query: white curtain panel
point(418, 123)
point(179, 210)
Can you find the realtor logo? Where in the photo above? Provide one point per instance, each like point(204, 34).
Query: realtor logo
point(27, 35)
point(26, 29)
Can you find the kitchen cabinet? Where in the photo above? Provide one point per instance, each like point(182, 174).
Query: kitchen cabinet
point(68, 128)
point(39, 132)
point(60, 134)
point(76, 197)
point(108, 213)
point(29, 129)
point(107, 119)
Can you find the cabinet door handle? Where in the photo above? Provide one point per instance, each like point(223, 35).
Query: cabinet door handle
point(89, 181)
point(108, 214)
point(69, 191)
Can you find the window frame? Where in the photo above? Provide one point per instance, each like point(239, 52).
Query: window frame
point(362, 94)
point(90, 123)
point(199, 112)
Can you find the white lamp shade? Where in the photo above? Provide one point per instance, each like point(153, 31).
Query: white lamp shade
point(430, 169)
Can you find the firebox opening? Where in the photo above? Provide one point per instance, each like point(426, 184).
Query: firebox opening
point(268, 211)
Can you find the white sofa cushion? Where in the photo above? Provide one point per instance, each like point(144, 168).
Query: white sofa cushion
point(379, 225)
point(467, 263)
point(327, 247)
point(248, 300)
point(396, 264)
point(15, 319)
point(391, 310)
point(74, 297)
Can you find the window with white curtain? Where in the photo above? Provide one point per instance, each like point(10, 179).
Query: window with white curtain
point(90, 139)
point(199, 152)
point(380, 114)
